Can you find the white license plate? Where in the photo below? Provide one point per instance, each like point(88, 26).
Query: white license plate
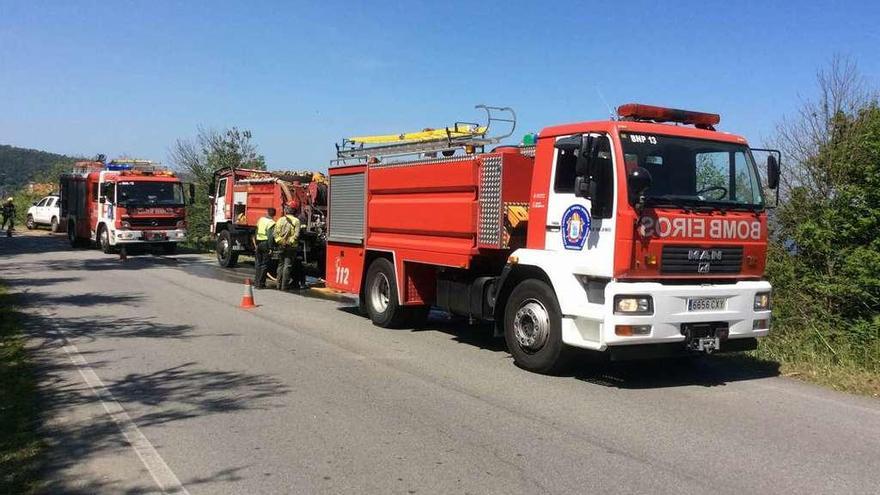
point(707, 304)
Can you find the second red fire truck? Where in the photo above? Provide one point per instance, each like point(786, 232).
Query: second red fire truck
point(642, 236)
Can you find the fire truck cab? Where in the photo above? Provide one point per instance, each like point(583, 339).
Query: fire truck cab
point(644, 236)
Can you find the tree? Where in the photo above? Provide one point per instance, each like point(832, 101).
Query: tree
point(825, 261)
point(197, 159)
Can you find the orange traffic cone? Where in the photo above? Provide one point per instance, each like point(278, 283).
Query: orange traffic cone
point(247, 300)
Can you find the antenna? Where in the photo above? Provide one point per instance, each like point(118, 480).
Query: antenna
point(612, 115)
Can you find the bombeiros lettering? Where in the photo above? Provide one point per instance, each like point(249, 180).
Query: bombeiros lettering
point(700, 228)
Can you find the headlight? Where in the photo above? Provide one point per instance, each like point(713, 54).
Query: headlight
point(634, 305)
point(125, 225)
point(762, 301)
point(181, 224)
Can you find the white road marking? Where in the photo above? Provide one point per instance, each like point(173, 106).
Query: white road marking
point(159, 470)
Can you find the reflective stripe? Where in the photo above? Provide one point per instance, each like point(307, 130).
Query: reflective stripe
point(263, 226)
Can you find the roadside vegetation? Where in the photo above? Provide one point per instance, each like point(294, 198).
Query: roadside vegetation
point(20, 445)
point(824, 260)
point(196, 159)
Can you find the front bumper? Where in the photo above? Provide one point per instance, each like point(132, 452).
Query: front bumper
point(147, 236)
point(594, 329)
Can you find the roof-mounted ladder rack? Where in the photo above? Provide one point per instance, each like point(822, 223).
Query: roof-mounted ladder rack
point(471, 137)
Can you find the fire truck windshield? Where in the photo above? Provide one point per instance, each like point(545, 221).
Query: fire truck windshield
point(143, 193)
point(694, 172)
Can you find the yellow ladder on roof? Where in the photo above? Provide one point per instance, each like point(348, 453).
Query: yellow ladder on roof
point(423, 135)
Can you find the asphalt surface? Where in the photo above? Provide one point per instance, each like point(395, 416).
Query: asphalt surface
point(302, 395)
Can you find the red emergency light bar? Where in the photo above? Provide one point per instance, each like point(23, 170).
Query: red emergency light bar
point(637, 111)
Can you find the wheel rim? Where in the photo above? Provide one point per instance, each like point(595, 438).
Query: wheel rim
point(30, 222)
point(380, 293)
point(105, 239)
point(223, 252)
point(531, 325)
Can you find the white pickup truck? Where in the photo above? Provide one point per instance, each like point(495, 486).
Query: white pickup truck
point(46, 211)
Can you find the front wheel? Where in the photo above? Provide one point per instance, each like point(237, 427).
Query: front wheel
point(226, 257)
point(104, 240)
point(54, 225)
point(533, 328)
point(30, 224)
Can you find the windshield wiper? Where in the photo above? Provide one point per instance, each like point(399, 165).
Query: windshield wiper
point(670, 200)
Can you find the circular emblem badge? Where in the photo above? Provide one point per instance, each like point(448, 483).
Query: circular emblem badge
point(575, 227)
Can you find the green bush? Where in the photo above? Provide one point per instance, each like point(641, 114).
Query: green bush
point(825, 260)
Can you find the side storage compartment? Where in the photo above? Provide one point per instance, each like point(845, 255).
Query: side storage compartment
point(346, 219)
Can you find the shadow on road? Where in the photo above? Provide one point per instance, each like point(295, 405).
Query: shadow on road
point(152, 397)
point(595, 368)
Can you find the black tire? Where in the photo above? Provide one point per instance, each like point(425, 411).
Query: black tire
point(381, 295)
point(71, 235)
point(103, 240)
point(534, 303)
point(53, 227)
point(29, 223)
point(226, 257)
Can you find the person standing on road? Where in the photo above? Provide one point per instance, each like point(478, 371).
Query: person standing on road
point(287, 240)
point(8, 215)
point(265, 232)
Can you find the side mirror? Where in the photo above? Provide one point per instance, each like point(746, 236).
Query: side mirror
point(582, 167)
point(638, 181)
point(772, 172)
point(102, 200)
point(192, 194)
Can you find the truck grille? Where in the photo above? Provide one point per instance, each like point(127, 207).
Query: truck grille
point(153, 222)
point(701, 261)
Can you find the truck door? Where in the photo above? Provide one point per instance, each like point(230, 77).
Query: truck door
point(221, 206)
point(40, 211)
point(583, 236)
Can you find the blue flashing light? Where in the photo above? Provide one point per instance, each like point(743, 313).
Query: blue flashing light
point(119, 166)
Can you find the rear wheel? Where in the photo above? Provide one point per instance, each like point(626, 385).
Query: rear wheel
point(54, 225)
point(226, 257)
point(533, 328)
point(30, 224)
point(381, 295)
point(71, 235)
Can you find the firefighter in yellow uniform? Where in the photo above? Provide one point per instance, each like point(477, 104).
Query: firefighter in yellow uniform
point(287, 240)
point(262, 255)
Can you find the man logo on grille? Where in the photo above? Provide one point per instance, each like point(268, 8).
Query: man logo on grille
point(703, 267)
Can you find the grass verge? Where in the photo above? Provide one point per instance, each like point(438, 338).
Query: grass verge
point(20, 445)
point(806, 360)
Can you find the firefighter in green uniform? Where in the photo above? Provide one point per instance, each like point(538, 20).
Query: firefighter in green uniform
point(265, 236)
point(8, 216)
point(287, 240)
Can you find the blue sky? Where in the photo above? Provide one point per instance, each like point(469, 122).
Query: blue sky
point(120, 77)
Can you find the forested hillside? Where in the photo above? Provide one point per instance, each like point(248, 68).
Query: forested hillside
point(18, 166)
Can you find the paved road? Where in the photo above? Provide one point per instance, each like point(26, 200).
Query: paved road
point(160, 369)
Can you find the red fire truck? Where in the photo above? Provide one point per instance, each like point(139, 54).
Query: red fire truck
point(241, 196)
point(122, 203)
point(642, 236)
